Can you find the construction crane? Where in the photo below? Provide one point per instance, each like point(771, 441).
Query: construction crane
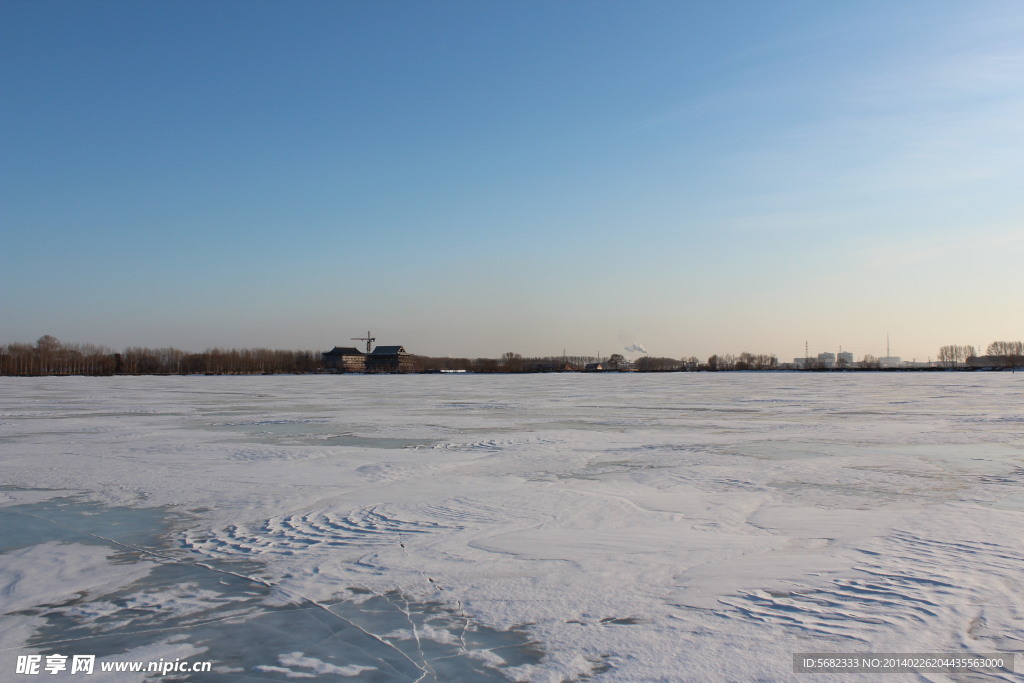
point(368, 339)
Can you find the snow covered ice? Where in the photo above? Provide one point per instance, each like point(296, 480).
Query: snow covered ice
point(537, 527)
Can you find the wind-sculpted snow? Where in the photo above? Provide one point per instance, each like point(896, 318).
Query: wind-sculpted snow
point(903, 582)
point(557, 527)
point(286, 535)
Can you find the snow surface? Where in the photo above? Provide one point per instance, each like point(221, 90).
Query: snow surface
point(636, 527)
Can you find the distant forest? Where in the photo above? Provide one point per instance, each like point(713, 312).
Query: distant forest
point(49, 356)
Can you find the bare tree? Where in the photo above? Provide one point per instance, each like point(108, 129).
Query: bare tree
point(512, 362)
point(656, 364)
point(1009, 354)
point(869, 362)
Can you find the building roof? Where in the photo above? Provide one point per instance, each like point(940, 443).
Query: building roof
point(388, 351)
point(344, 351)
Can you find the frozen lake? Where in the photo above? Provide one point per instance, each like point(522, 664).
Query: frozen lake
point(535, 527)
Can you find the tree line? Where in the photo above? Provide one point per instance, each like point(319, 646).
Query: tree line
point(49, 356)
point(514, 362)
point(1000, 354)
point(954, 355)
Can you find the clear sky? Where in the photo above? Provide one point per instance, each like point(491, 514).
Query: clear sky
point(470, 178)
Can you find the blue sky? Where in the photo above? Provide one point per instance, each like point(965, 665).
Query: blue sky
point(470, 178)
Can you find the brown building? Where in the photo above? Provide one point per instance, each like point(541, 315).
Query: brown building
point(387, 359)
point(344, 359)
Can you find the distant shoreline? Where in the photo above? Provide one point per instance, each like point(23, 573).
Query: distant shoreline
point(51, 357)
point(524, 372)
